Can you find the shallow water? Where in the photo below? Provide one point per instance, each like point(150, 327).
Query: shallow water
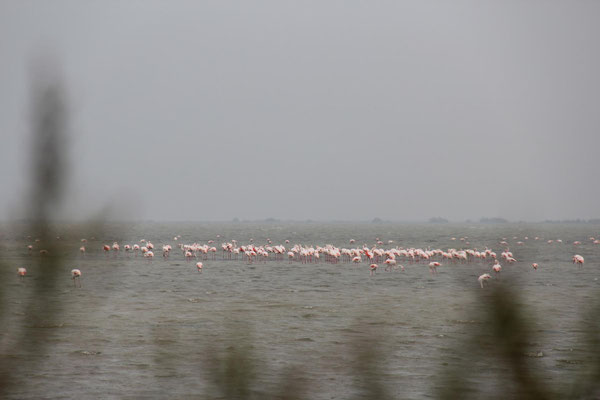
point(140, 328)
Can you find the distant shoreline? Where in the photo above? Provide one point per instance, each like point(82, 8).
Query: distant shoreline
point(594, 221)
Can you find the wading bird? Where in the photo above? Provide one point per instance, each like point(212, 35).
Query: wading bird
point(373, 268)
point(483, 279)
point(76, 276)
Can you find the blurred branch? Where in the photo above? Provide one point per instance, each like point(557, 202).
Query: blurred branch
point(48, 157)
point(502, 338)
point(368, 365)
point(587, 384)
point(49, 148)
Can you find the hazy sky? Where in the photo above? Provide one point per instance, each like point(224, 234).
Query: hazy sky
point(209, 110)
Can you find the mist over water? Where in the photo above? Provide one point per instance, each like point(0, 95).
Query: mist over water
point(323, 111)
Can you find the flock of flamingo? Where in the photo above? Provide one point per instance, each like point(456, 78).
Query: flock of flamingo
point(372, 255)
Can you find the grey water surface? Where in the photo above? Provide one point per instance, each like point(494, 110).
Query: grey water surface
point(144, 329)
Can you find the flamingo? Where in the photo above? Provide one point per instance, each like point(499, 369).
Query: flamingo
point(497, 267)
point(21, 272)
point(82, 250)
point(577, 259)
point(390, 264)
point(76, 275)
point(373, 268)
point(535, 266)
point(483, 278)
point(433, 267)
point(199, 266)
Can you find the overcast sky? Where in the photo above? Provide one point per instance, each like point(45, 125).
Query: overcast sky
point(345, 110)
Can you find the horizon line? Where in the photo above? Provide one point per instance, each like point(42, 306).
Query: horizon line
point(374, 221)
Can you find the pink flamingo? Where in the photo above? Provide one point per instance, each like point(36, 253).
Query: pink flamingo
point(199, 266)
point(497, 267)
point(21, 272)
point(373, 268)
point(250, 254)
point(76, 275)
point(535, 266)
point(433, 267)
point(577, 259)
point(483, 279)
point(390, 264)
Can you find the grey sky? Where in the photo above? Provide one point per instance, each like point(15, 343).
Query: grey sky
point(323, 110)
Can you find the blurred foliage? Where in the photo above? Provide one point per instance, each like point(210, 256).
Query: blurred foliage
point(49, 125)
point(586, 385)
point(368, 366)
point(506, 337)
point(24, 334)
point(234, 370)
